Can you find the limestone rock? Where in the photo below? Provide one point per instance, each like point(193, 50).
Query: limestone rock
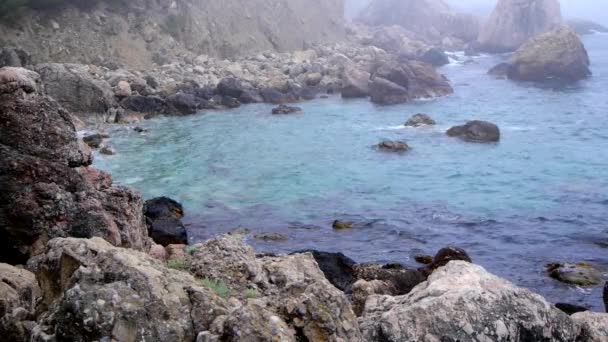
point(462, 302)
point(513, 22)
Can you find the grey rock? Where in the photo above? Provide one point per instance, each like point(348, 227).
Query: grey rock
point(476, 131)
point(355, 83)
point(582, 274)
point(419, 119)
point(284, 109)
point(393, 146)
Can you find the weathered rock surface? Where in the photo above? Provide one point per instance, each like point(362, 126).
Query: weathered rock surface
point(419, 119)
point(355, 83)
point(476, 131)
point(513, 22)
point(462, 302)
point(19, 295)
point(48, 190)
point(337, 268)
point(385, 92)
point(558, 54)
point(594, 326)
point(582, 274)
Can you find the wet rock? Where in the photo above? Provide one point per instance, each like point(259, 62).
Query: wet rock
point(570, 309)
point(594, 326)
point(420, 79)
point(250, 96)
point(393, 146)
point(558, 54)
point(606, 296)
point(284, 109)
point(163, 217)
point(401, 278)
point(107, 150)
point(230, 86)
point(355, 83)
point(19, 295)
point(362, 289)
point(582, 274)
point(423, 259)
point(139, 129)
point(163, 207)
point(144, 104)
point(182, 104)
point(270, 237)
point(476, 131)
point(462, 302)
point(230, 102)
point(48, 190)
point(500, 70)
point(94, 140)
point(420, 120)
point(337, 268)
point(447, 254)
point(435, 57)
point(513, 22)
point(340, 225)
point(385, 92)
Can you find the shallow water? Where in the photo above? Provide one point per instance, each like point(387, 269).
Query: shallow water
point(540, 195)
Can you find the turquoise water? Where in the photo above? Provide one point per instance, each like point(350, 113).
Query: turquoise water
point(540, 195)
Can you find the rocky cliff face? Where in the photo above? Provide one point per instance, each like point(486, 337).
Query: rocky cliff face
point(513, 22)
point(141, 32)
point(430, 20)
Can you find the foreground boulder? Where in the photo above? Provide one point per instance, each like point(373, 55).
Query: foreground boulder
point(513, 22)
point(558, 54)
point(355, 83)
point(476, 131)
point(462, 302)
point(19, 295)
point(163, 217)
point(48, 190)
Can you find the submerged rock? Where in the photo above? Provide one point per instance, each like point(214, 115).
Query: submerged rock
point(393, 146)
point(420, 120)
point(558, 54)
point(582, 274)
point(513, 22)
point(462, 302)
point(270, 237)
point(284, 109)
point(476, 131)
point(340, 225)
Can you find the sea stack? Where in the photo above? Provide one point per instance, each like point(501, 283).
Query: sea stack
point(513, 22)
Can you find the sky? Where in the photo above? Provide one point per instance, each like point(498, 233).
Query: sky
point(596, 10)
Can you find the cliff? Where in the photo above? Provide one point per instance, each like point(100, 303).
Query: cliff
point(138, 33)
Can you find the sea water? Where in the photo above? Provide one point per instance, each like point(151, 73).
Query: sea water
point(540, 195)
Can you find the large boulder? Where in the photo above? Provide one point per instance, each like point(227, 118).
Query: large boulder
point(355, 83)
point(558, 54)
point(73, 86)
point(48, 190)
point(476, 131)
point(513, 22)
point(462, 302)
point(19, 295)
point(383, 91)
point(163, 217)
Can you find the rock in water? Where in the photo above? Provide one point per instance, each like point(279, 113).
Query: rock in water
point(393, 146)
point(341, 225)
point(513, 22)
point(582, 26)
point(435, 57)
point(284, 109)
point(420, 119)
point(48, 190)
point(385, 92)
point(476, 131)
point(558, 54)
point(462, 302)
point(582, 274)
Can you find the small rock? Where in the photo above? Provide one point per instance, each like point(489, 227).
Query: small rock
point(107, 150)
point(423, 259)
point(570, 309)
point(284, 109)
point(420, 120)
point(139, 129)
point(582, 274)
point(123, 89)
point(270, 237)
point(158, 252)
point(476, 131)
point(340, 225)
point(444, 256)
point(93, 140)
point(176, 252)
point(393, 146)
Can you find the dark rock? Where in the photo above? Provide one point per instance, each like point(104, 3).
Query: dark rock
point(419, 79)
point(444, 256)
point(581, 274)
point(435, 57)
point(340, 225)
point(230, 86)
point(182, 103)
point(500, 70)
point(606, 296)
point(250, 96)
point(270, 237)
point(284, 109)
point(206, 93)
point(393, 146)
point(423, 259)
point(107, 150)
point(13, 57)
point(570, 309)
point(144, 104)
point(139, 129)
point(338, 268)
point(401, 278)
point(271, 95)
point(355, 83)
point(306, 93)
point(163, 207)
point(385, 92)
point(230, 102)
point(420, 120)
point(476, 131)
point(168, 231)
point(93, 140)
point(151, 81)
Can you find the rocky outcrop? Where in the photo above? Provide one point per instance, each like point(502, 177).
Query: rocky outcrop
point(48, 190)
point(431, 20)
point(556, 55)
point(476, 131)
point(284, 109)
point(19, 295)
point(513, 22)
point(139, 33)
point(461, 302)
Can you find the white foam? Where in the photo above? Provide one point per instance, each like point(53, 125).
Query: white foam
point(520, 128)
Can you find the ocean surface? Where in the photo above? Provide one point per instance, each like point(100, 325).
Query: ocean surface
point(538, 196)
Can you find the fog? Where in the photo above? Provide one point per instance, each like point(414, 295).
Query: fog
point(595, 10)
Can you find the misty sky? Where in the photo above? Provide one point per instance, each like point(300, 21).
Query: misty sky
point(596, 10)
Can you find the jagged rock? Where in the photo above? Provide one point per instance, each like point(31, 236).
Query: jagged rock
point(163, 217)
point(462, 302)
point(435, 57)
point(476, 131)
point(399, 278)
point(19, 295)
point(558, 54)
point(385, 92)
point(47, 189)
point(582, 274)
point(513, 22)
point(362, 289)
point(355, 83)
point(594, 326)
point(419, 119)
point(284, 109)
point(144, 104)
point(393, 146)
point(75, 89)
point(183, 104)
